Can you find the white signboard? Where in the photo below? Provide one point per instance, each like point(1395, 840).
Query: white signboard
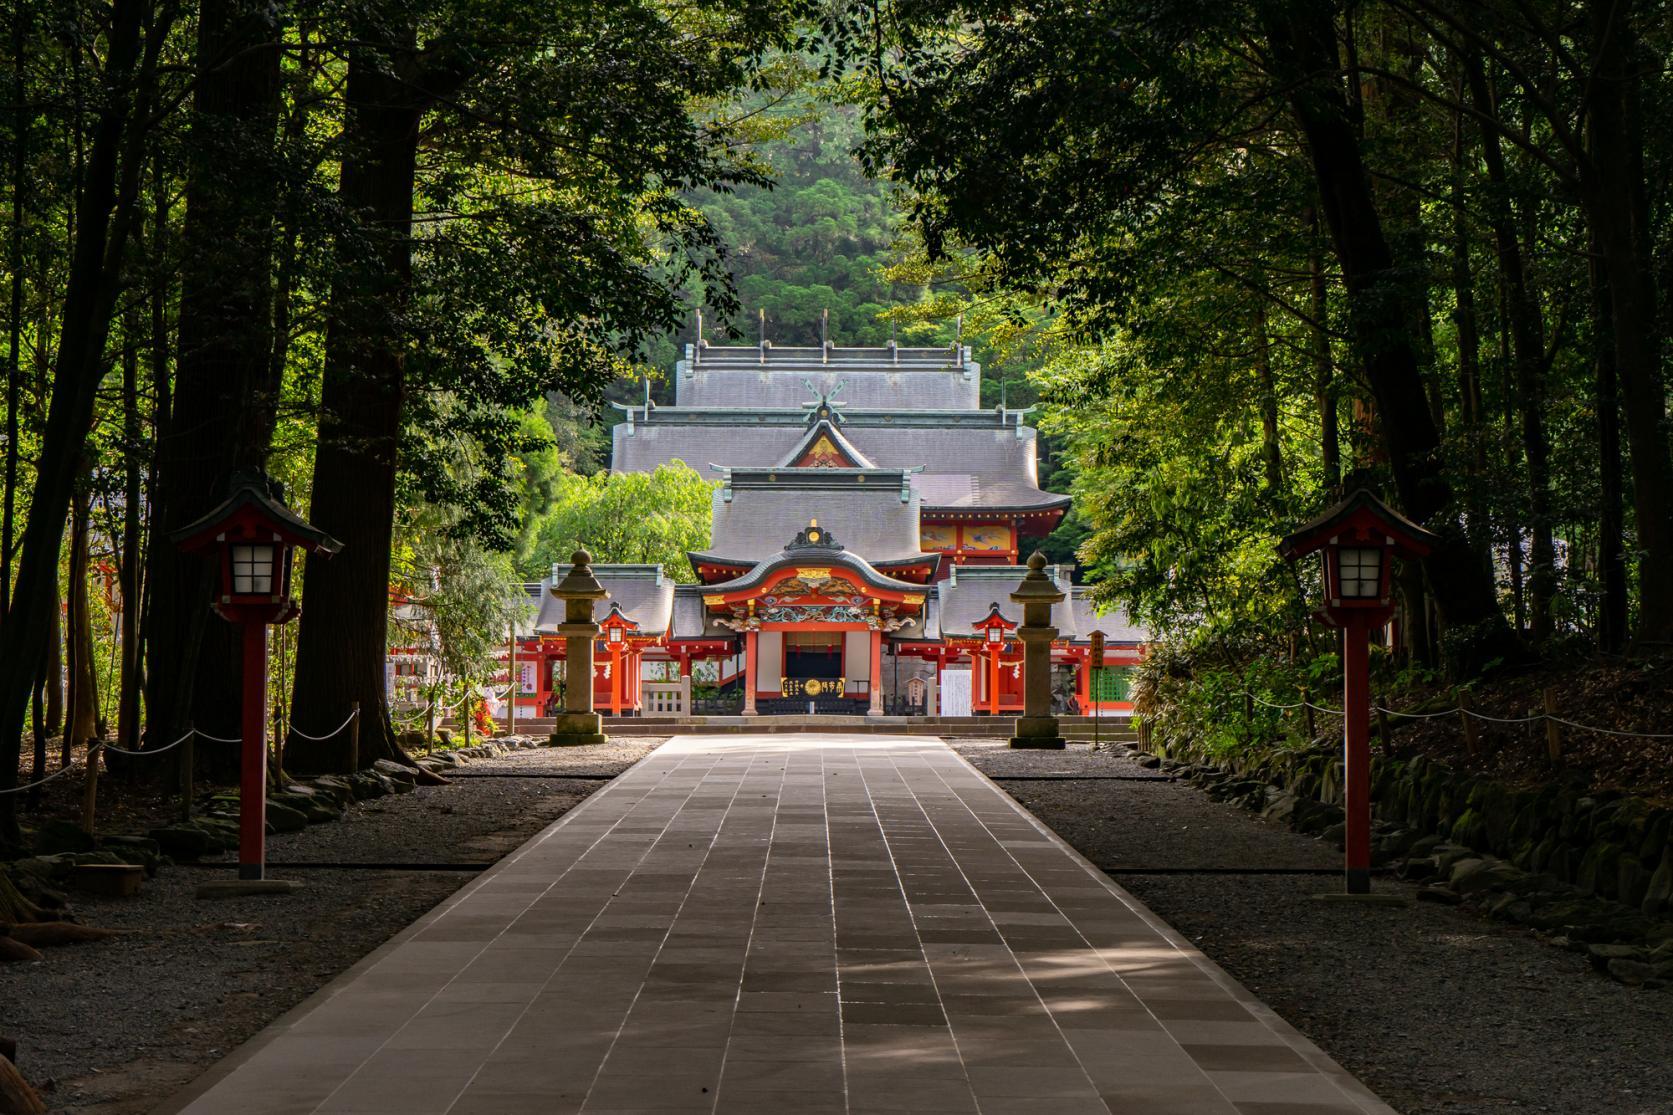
point(955, 693)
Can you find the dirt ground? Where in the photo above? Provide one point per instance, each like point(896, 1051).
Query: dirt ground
point(116, 1027)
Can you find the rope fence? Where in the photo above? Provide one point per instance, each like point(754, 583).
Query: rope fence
point(101, 745)
point(94, 749)
point(1467, 712)
point(295, 731)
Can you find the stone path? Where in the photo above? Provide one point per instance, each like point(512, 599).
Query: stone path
point(806, 924)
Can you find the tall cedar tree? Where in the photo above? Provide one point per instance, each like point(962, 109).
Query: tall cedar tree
point(446, 335)
point(105, 208)
point(1058, 136)
point(222, 418)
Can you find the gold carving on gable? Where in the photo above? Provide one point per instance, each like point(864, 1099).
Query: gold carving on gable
point(824, 453)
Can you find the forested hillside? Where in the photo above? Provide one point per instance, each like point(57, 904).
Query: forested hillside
point(819, 239)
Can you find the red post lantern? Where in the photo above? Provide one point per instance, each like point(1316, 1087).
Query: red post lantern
point(617, 629)
point(253, 536)
point(995, 629)
point(1360, 537)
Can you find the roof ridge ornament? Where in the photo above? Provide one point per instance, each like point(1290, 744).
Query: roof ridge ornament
point(814, 537)
point(823, 406)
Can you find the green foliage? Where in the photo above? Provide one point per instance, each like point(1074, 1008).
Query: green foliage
point(632, 517)
point(819, 239)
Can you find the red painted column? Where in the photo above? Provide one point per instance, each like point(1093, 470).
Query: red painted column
point(616, 679)
point(1356, 775)
point(252, 789)
point(749, 672)
point(876, 708)
point(993, 679)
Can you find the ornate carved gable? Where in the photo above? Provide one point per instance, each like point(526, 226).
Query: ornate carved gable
point(823, 453)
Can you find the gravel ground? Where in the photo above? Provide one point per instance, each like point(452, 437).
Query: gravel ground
point(1435, 1008)
point(116, 1027)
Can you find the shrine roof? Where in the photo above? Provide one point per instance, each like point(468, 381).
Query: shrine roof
point(986, 464)
point(968, 597)
point(757, 509)
point(833, 442)
point(867, 573)
point(691, 619)
point(757, 376)
point(644, 593)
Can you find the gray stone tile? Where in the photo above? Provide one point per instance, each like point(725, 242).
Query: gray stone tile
point(678, 943)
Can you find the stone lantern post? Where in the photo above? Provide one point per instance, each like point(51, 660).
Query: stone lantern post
point(578, 723)
point(1037, 727)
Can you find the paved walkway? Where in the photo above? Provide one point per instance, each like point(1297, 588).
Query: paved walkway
point(783, 925)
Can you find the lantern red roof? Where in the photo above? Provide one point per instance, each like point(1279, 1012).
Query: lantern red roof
point(254, 506)
point(1361, 516)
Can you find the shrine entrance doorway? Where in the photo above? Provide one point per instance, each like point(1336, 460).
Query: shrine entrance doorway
point(813, 654)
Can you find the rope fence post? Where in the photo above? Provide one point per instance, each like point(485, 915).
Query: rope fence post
point(1553, 730)
point(188, 758)
point(1307, 711)
point(354, 735)
point(90, 787)
point(1472, 738)
point(1382, 726)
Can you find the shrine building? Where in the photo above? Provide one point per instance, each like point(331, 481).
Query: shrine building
point(869, 525)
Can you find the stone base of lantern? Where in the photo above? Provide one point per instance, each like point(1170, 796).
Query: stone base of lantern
point(575, 729)
point(1038, 733)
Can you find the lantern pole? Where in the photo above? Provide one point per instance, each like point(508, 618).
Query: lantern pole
point(1359, 537)
point(252, 804)
point(1356, 758)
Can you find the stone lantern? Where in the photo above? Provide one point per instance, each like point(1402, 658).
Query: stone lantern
point(578, 723)
point(1037, 728)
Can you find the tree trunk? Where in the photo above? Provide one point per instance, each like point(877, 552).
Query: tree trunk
point(37, 766)
point(127, 723)
point(104, 208)
point(1470, 418)
point(1527, 336)
point(1401, 207)
point(52, 668)
point(1272, 454)
point(1324, 365)
point(1303, 40)
point(1611, 527)
point(83, 724)
point(20, 164)
point(1614, 190)
point(223, 402)
point(342, 641)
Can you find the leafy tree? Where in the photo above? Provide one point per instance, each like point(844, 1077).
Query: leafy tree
point(554, 244)
point(636, 517)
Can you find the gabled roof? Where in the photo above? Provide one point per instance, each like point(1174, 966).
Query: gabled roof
point(259, 494)
point(986, 464)
point(874, 511)
point(967, 598)
point(1361, 506)
point(824, 446)
point(644, 594)
point(825, 556)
